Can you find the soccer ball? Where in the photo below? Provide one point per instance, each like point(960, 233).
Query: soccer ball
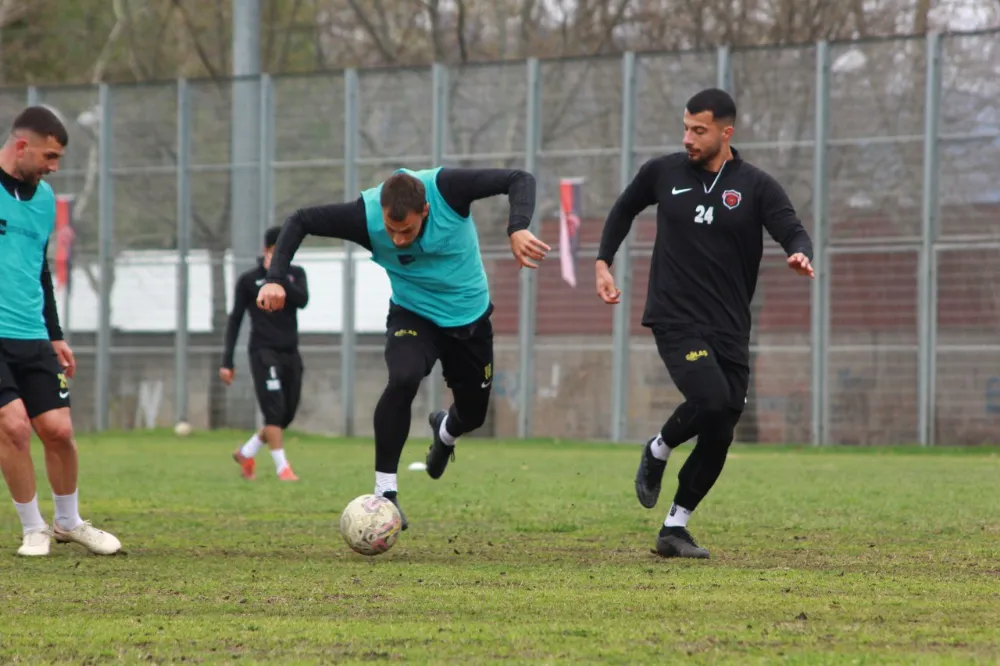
point(370, 524)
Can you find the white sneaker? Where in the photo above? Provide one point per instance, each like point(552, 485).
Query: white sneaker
point(36, 543)
point(96, 541)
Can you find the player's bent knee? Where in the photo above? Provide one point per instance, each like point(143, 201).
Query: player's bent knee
point(474, 421)
point(15, 427)
point(55, 428)
point(712, 408)
point(57, 435)
point(406, 379)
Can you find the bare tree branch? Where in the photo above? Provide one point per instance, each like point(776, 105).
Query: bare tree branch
point(381, 44)
point(287, 33)
point(195, 42)
point(463, 49)
point(123, 12)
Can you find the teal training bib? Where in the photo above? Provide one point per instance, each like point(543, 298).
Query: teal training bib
point(25, 227)
point(441, 275)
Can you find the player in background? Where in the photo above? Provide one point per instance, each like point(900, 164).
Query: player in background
point(35, 362)
point(418, 226)
point(712, 208)
point(275, 362)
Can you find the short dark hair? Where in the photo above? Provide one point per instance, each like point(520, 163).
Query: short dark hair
point(716, 100)
point(403, 194)
point(42, 121)
point(271, 236)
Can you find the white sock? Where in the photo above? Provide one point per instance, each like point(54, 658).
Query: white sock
point(252, 446)
point(446, 437)
point(68, 510)
point(31, 517)
point(678, 516)
point(384, 483)
point(659, 449)
point(279, 459)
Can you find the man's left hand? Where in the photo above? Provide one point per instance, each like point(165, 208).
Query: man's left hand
point(799, 263)
point(65, 356)
point(526, 247)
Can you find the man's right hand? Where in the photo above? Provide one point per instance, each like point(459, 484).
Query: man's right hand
point(226, 375)
point(606, 284)
point(271, 297)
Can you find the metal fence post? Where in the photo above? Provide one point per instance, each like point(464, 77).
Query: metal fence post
point(265, 120)
point(528, 281)
point(183, 249)
point(927, 271)
point(623, 265)
point(105, 255)
point(724, 69)
point(266, 192)
point(439, 74)
point(820, 303)
point(33, 96)
point(348, 336)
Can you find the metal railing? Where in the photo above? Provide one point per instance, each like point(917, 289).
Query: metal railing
point(887, 148)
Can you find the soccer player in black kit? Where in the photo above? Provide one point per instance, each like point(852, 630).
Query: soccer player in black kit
point(275, 362)
point(712, 208)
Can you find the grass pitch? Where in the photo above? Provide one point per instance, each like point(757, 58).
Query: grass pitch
point(533, 552)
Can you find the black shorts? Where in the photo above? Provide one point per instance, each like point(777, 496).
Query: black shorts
point(707, 369)
point(277, 380)
point(30, 371)
point(413, 344)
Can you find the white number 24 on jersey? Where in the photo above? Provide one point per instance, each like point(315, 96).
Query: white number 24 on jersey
point(704, 215)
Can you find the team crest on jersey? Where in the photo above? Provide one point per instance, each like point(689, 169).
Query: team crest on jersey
point(731, 199)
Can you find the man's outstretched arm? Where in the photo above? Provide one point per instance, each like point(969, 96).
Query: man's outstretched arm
point(784, 226)
point(639, 195)
point(345, 220)
point(460, 187)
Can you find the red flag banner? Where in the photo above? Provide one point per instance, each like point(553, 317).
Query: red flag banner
point(64, 240)
point(569, 226)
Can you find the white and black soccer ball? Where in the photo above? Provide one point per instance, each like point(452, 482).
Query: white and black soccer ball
point(370, 524)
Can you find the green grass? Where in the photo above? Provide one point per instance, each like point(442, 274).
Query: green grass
point(524, 552)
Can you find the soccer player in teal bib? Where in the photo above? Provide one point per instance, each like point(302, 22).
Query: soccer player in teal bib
point(35, 362)
point(418, 226)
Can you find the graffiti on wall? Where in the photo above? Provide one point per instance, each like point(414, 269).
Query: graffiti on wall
point(507, 386)
point(993, 395)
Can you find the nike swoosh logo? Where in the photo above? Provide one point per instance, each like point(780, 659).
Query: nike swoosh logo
point(485, 384)
point(676, 191)
point(63, 394)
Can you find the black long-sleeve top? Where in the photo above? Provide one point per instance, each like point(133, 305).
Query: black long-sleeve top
point(709, 239)
point(459, 187)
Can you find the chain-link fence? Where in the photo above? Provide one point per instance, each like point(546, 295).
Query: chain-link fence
point(888, 149)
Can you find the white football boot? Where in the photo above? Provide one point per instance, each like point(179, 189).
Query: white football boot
point(96, 541)
point(36, 544)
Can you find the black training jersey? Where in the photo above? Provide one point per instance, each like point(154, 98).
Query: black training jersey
point(268, 330)
point(709, 239)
